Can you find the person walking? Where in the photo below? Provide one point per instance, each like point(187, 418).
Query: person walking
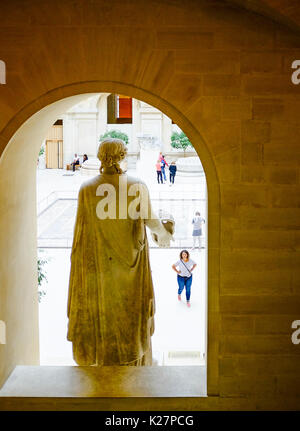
point(158, 171)
point(163, 165)
point(172, 169)
point(197, 229)
point(184, 274)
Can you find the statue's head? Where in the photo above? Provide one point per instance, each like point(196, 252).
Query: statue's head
point(111, 152)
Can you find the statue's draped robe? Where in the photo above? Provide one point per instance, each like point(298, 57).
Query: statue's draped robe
point(111, 300)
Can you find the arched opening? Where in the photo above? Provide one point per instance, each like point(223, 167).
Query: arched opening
point(180, 332)
point(18, 188)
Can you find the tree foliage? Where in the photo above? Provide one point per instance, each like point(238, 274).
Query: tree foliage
point(115, 134)
point(41, 277)
point(180, 141)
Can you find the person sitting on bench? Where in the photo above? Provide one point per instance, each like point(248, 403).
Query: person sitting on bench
point(75, 162)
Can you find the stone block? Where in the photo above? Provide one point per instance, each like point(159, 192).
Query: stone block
point(236, 108)
point(248, 386)
point(227, 136)
point(258, 345)
point(244, 38)
point(252, 153)
point(270, 218)
point(261, 62)
point(221, 85)
point(285, 38)
point(242, 325)
point(279, 198)
point(283, 175)
point(159, 71)
point(239, 195)
point(257, 282)
point(281, 152)
point(289, 386)
point(267, 108)
point(238, 260)
point(228, 165)
point(259, 365)
point(183, 39)
point(265, 304)
point(233, 386)
point(297, 241)
point(274, 324)
point(256, 132)
point(261, 239)
point(284, 131)
point(254, 135)
point(183, 89)
point(208, 107)
point(282, 365)
point(228, 173)
point(252, 173)
point(207, 61)
point(269, 85)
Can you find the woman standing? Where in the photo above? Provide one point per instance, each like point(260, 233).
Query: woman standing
point(184, 274)
point(158, 171)
point(197, 229)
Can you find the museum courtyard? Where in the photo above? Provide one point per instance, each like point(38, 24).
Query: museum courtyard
point(180, 332)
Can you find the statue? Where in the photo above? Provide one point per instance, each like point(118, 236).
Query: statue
point(111, 301)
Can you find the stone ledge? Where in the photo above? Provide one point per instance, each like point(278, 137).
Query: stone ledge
point(104, 382)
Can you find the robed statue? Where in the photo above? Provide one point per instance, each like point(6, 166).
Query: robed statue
point(111, 302)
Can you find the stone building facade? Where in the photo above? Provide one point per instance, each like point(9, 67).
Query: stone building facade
point(83, 124)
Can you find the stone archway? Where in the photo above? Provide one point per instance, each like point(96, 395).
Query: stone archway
point(20, 145)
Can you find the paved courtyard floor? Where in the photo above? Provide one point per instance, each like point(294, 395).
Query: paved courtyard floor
point(180, 332)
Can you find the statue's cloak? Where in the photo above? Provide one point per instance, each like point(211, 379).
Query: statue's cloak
point(111, 300)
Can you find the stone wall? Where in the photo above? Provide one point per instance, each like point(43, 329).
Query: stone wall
point(227, 73)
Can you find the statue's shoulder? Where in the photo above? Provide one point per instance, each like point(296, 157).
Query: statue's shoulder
point(134, 180)
point(90, 183)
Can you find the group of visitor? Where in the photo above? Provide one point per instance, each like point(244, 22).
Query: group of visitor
point(161, 170)
point(76, 161)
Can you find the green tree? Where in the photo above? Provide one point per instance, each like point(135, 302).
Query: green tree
point(41, 277)
point(180, 141)
point(115, 134)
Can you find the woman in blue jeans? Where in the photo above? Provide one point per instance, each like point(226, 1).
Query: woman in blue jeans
point(184, 274)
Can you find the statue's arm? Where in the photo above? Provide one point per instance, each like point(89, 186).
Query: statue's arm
point(160, 231)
